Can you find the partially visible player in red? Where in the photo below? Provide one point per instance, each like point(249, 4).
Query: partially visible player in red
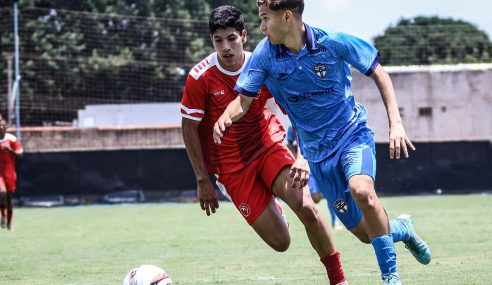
point(10, 150)
point(252, 165)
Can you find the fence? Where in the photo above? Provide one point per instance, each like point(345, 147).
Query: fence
point(71, 61)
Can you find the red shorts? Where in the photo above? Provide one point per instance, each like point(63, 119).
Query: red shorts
point(250, 189)
point(7, 184)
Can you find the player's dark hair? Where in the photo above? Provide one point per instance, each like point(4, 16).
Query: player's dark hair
point(226, 16)
point(296, 6)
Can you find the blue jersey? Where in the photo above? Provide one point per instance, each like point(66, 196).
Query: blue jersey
point(313, 86)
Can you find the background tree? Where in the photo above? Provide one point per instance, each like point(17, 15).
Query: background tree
point(433, 40)
point(76, 53)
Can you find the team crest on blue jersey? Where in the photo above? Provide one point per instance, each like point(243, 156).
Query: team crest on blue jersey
point(341, 206)
point(320, 70)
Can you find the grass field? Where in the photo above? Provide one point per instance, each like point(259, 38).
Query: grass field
point(100, 244)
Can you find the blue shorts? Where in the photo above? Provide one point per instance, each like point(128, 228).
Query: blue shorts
point(313, 185)
point(357, 156)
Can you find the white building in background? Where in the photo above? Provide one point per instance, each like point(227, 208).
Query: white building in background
point(129, 115)
point(437, 103)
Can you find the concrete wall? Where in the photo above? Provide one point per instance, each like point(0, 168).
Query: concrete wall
point(460, 99)
point(128, 115)
point(454, 167)
point(454, 150)
point(63, 139)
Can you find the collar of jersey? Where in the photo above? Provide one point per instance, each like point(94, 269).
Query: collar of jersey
point(215, 60)
point(310, 43)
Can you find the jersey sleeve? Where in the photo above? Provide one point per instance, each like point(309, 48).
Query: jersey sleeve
point(194, 98)
point(16, 146)
point(360, 54)
point(254, 73)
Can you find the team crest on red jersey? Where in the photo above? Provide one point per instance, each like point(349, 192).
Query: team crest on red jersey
point(245, 209)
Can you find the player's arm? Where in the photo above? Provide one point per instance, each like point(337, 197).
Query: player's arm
point(16, 150)
point(234, 111)
point(205, 190)
point(398, 138)
point(299, 171)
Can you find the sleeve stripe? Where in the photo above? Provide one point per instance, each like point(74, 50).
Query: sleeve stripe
point(373, 65)
point(191, 111)
point(245, 92)
point(191, 117)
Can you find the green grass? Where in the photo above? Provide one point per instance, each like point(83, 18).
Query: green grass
point(99, 245)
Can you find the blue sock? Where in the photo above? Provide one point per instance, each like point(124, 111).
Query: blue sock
point(399, 230)
point(385, 253)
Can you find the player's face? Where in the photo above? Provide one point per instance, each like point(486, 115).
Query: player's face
point(228, 44)
point(273, 24)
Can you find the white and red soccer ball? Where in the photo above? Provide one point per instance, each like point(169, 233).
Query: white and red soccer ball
point(147, 275)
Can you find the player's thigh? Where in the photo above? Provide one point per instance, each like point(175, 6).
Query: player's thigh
point(334, 186)
point(362, 188)
point(295, 198)
point(360, 231)
point(275, 168)
point(316, 196)
point(359, 157)
point(272, 228)
point(247, 191)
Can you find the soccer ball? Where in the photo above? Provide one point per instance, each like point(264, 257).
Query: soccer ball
point(147, 275)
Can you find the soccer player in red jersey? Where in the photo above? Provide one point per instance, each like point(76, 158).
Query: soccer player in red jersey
point(251, 164)
point(10, 150)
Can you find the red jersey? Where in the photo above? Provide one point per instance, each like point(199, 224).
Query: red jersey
point(7, 159)
point(208, 91)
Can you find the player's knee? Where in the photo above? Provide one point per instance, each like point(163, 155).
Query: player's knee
point(316, 197)
point(309, 213)
point(364, 194)
point(281, 244)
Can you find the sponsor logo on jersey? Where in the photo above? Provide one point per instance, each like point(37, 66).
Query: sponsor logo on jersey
point(245, 209)
point(341, 206)
point(219, 93)
point(320, 70)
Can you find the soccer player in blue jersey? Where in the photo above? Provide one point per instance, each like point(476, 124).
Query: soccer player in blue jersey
point(308, 71)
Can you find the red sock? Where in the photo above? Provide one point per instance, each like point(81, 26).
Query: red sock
point(334, 268)
point(10, 214)
point(2, 209)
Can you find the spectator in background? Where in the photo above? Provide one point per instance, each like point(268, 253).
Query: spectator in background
point(11, 149)
point(314, 189)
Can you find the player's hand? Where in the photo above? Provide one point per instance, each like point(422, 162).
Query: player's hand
point(220, 126)
point(399, 142)
point(299, 172)
point(207, 196)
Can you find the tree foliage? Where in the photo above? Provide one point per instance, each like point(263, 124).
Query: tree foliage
point(433, 40)
point(76, 53)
